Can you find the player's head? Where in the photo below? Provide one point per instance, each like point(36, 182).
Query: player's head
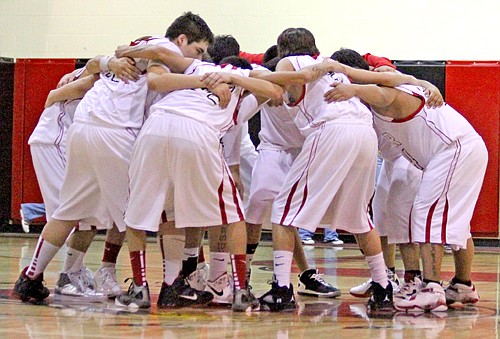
point(271, 64)
point(236, 61)
point(223, 46)
point(191, 34)
point(296, 41)
point(270, 53)
point(351, 58)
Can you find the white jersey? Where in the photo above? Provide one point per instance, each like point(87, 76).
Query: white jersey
point(115, 103)
point(425, 133)
point(314, 111)
point(200, 104)
point(53, 124)
point(278, 130)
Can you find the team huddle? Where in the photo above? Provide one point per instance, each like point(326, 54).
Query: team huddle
point(155, 138)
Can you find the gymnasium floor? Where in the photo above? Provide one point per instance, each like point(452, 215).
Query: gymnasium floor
point(344, 317)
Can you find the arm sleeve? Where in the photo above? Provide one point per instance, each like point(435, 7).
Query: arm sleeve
point(253, 58)
point(376, 61)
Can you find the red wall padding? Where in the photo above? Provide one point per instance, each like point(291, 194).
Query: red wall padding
point(473, 88)
point(33, 79)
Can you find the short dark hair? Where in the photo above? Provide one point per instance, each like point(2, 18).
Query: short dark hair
point(223, 46)
point(270, 53)
point(271, 64)
point(296, 41)
point(351, 58)
point(237, 62)
point(191, 25)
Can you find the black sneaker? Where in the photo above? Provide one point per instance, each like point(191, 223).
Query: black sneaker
point(380, 302)
point(180, 294)
point(135, 297)
point(245, 301)
point(311, 283)
point(279, 298)
point(26, 288)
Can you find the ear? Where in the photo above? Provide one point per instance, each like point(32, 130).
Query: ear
point(182, 39)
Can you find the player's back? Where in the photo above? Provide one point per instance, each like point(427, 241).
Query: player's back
point(200, 104)
point(426, 132)
point(116, 103)
point(314, 110)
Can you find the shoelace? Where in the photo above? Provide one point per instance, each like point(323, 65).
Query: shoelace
point(318, 278)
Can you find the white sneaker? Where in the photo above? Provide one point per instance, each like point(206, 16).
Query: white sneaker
point(464, 294)
point(430, 298)
point(24, 224)
point(76, 284)
point(308, 241)
point(198, 279)
point(365, 289)
point(106, 283)
point(221, 288)
point(362, 291)
point(408, 289)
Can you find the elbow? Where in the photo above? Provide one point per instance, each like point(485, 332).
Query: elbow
point(277, 92)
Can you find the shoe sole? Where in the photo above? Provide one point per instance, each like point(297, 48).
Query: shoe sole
point(320, 295)
point(364, 295)
point(431, 308)
point(465, 301)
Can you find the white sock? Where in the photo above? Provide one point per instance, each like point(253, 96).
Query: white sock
point(191, 252)
point(218, 264)
point(73, 261)
point(378, 269)
point(44, 253)
point(282, 267)
point(172, 249)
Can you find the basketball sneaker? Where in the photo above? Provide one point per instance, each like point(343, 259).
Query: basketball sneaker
point(221, 288)
point(431, 297)
point(311, 283)
point(76, 284)
point(198, 279)
point(279, 298)
point(365, 289)
point(408, 289)
point(180, 294)
point(27, 288)
point(462, 293)
point(105, 282)
point(245, 301)
point(380, 301)
point(135, 297)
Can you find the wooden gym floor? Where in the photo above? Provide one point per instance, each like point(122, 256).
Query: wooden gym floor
point(343, 317)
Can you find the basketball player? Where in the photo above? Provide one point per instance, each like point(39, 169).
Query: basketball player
point(186, 125)
point(453, 158)
point(100, 141)
point(318, 182)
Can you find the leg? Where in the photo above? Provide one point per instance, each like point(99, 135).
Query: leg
point(30, 282)
point(280, 297)
point(76, 279)
point(310, 281)
point(138, 291)
point(461, 288)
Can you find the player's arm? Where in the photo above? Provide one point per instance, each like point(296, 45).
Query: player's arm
point(371, 94)
point(123, 68)
point(286, 75)
point(174, 61)
point(74, 90)
point(258, 87)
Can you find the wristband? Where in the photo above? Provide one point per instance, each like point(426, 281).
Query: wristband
point(104, 63)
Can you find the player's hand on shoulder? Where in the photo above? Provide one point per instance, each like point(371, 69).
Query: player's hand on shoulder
point(384, 69)
point(339, 92)
point(223, 92)
point(434, 98)
point(124, 68)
